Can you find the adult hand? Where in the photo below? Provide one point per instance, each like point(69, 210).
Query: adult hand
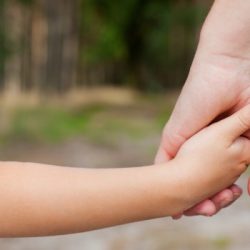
point(217, 86)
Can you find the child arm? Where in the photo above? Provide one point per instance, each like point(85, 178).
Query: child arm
point(41, 200)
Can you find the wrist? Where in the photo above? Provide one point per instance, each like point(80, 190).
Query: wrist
point(173, 197)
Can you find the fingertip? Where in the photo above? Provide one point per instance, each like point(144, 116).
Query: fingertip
point(208, 208)
point(237, 190)
point(177, 217)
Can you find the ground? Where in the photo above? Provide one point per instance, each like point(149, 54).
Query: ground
point(114, 135)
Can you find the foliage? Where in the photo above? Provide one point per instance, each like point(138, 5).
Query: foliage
point(3, 49)
point(98, 123)
point(48, 124)
point(120, 42)
point(26, 2)
point(144, 35)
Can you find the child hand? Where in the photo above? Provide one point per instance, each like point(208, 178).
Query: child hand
point(214, 158)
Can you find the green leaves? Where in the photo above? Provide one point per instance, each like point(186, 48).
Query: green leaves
point(146, 44)
point(26, 2)
point(142, 35)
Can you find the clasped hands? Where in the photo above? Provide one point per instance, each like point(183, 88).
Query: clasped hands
point(218, 86)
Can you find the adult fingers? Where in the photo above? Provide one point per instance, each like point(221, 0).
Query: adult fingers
point(205, 208)
point(223, 199)
point(219, 201)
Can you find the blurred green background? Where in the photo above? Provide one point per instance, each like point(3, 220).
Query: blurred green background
point(91, 83)
point(63, 63)
point(53, 46)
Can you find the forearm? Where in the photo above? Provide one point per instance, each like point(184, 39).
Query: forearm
point(219, 72)
point(227, 25)
point(47, 200)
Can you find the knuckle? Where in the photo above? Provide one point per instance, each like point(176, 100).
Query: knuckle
point(240, 168)
point(238, 148)
point(241, 149)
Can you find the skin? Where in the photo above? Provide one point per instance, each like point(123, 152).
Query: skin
point(218, 85)
point(39, 200)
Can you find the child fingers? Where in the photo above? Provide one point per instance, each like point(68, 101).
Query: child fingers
point(235, 125)
point(223, 199)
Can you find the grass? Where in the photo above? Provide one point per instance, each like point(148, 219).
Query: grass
point(99, 123)
point(221, 243)
point(49, 124)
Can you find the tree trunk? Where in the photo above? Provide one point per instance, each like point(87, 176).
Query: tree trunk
point(26, 50)
point(13, 64)
point(61, 45)
point(2, 43)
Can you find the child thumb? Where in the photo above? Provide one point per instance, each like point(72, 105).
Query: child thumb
point(235, 125)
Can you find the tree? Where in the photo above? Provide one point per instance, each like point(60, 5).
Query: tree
point(56, 45)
